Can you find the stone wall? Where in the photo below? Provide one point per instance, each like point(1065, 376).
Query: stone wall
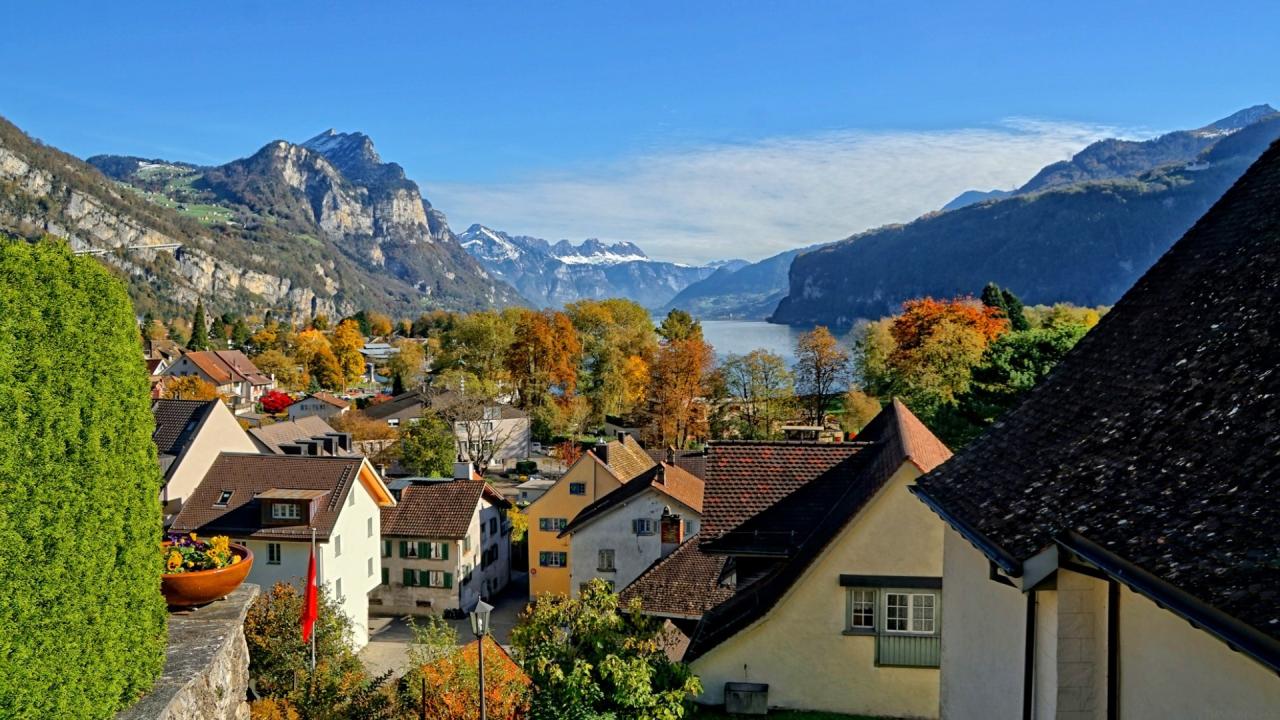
point(206, 666)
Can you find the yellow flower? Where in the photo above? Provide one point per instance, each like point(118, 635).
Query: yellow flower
point(174, 561)
point(190, 564)
point(235, 559)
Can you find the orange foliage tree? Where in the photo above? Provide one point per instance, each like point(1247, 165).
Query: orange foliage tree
point(678, 390)
point(189, 387)
point(452, 682)
point(937, 343)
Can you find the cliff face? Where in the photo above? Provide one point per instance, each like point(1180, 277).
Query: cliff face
point(284, 229)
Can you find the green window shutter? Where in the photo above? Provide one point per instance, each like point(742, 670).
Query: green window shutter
point(386, 548)
point(444, 551)
point(424, 578)
point(448, 580)
point(423, 550)
point(404, 548)
point(386, 576)
point(408, 578)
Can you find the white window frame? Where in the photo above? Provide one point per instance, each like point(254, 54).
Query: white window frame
point(612, 565)
point(861, 598)
point(286, 511)
point(912, 608)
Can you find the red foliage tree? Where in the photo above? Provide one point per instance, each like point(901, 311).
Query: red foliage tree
point(276, 402)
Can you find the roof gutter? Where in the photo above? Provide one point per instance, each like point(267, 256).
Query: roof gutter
point(995, 553)
point(1238, 635)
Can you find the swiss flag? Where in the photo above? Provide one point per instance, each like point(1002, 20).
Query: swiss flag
point(310, 608)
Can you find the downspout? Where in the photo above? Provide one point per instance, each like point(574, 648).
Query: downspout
point(1113, 650)
point(1029, 658)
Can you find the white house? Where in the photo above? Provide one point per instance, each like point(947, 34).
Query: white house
point(189, 435)
point(274, 504)
point(1113, 547)
point(446, 544)
point(618, 537)
point(532, 489)
point(234, 375)
point(320, 404)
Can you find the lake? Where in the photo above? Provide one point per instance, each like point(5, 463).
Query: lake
point(739, 337)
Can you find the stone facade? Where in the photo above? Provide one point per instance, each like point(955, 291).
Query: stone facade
point(206, 665)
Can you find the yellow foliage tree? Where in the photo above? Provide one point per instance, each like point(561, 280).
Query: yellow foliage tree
point(346, 344)
point(189, 387)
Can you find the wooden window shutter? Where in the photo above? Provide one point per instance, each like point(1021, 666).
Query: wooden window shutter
point(424, 577)
point(444, 551)
point(386, 576)
point(408, 577)
point(404, 548)
point(448, 580)
point(424, 549)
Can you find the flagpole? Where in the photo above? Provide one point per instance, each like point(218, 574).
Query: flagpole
point(313, 633)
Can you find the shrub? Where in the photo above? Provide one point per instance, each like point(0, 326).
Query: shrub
point(276, 402)
point(526, 467)
point(82, 621)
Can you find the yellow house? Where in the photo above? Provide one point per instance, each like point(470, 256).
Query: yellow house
point(837, 586)
point(599, 471)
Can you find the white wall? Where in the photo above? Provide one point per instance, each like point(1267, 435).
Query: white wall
point(633, 554)
point(1169, 669)
point(982, 638)
point(498, 574)
point(220, 432)
point(311, 406)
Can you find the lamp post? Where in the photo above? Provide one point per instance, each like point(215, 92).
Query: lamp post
point(480, 628)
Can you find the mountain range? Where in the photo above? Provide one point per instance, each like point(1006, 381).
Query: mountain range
point(552, 275)
point(1079, 231)
point(324, 226)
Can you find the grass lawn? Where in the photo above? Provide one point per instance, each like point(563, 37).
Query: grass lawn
point(701, 713)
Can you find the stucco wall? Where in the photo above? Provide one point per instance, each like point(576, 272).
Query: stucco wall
point(318, 408)
point(397, 599)
point(633, 554)
point(1169, 669)
point(558, 503)
point(982, 638)
point(799, 648)
point(220, 432)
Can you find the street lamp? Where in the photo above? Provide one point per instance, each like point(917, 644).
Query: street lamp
point(480, 627)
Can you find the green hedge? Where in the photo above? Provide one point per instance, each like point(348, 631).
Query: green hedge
point(82, 621)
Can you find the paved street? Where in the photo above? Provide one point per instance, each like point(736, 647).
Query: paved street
point(390, 637)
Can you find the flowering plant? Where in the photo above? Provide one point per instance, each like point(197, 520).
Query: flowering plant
point(188, 553)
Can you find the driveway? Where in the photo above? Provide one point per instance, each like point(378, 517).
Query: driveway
point(390, 637)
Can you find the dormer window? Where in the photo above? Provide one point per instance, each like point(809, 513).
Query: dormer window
point(224, 498)
point(286, 511)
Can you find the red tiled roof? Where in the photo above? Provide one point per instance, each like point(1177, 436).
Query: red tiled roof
point(330, 399)
point(685, 583)
point(666, 479)
point(437, 509)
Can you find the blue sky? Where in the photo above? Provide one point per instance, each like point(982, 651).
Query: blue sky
point(698, 130)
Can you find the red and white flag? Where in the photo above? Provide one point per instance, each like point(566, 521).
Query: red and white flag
point(310, 606)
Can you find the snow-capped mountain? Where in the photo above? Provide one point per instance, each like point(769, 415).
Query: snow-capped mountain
point(555, 274)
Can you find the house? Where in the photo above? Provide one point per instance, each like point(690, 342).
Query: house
point(489, 434)
point(601, 470)
point(189, 435)
point(233, 374)
point(276, 504)
point(309, 435)
point(320, 404)
point(814, 573)
point(1113, 549)
point(445, 545)
point(532, 489)
point(620, 535)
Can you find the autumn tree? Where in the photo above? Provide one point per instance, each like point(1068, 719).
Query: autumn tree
point(379, 324)
point(281, 366)
point(618, 345)
point(362, 427)
point(407, 366)
point(315, 354)
point(764, 389)
point(821, 370)
point(543, 366)
point(678, 388)
point(199, 339)
point(346, 343)
point(937, 343)
point(451, 675)
point(478, 341)
point(589, 657)
point(859, 409)
point(189, 387)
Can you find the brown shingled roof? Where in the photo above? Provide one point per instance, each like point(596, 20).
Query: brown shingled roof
point(281, 433)
point(248, 474)
point(626, 458)
point(437, 509)
point(684, 584)
point(331, 399)
point(665, 479)
point(1156, 437)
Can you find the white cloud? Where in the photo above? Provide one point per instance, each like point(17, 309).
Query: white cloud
point(752, 200)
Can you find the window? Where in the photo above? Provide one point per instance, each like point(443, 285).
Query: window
point(368, 523)
point(577, 488)
point(286, 511)
point(909, 612)
point(605, 563)
point(337, 590)
point(351, 498)
point(645, 526)
point(394, 422)
point(224, 498)
point(466, 543)
point(493, 526)
point(337, 546)
point(369, 562)
point(273, 553)
point(386, 576)
point(552, 524)
point(553, 559)
point(434, 578)
point(862, 610)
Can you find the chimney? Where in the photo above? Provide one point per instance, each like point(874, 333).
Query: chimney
point(602, 451)
point(671, 455)
point(661, 475)
point(462, 470)
point(622, 435)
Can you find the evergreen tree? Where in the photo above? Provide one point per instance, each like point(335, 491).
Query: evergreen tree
point(993, 297)
point(240, 333)
point(1013, 310)
point(199, 331)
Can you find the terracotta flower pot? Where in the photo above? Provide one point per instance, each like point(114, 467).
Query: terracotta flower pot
point(205, 586)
